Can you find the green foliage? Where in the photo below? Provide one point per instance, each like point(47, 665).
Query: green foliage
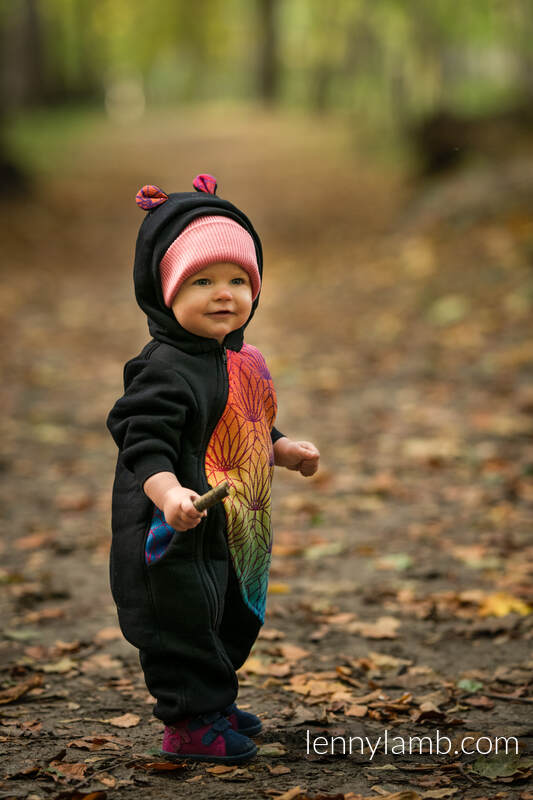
point(386, 59)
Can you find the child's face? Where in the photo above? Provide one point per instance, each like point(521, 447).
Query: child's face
point(214, 301)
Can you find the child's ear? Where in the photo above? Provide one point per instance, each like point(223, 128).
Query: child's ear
point(150, 196)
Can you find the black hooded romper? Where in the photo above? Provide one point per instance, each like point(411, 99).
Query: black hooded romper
point(192, 601)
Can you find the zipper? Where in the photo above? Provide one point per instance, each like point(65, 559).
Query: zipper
point(203, 543)
point(203, 562)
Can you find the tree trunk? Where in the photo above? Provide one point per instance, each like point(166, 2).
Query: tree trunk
point(268, 66)
point(22, 55)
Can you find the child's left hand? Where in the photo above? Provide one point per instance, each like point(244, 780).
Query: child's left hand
point(302, 457)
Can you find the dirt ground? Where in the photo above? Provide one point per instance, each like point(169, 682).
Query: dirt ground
point(396, 320)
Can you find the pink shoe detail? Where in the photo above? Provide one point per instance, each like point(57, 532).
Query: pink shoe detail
point(206, 738)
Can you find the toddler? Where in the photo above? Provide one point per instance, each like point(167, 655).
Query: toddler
point(198, 408)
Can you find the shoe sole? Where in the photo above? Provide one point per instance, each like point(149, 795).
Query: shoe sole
point(235, 759)
point(251, 731)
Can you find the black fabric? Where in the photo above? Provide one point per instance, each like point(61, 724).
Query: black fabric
point(184, 612)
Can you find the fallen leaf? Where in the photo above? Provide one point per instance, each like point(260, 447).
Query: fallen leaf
point(125, 721)
point(291, 794)
point(160, 766)
point(292, 652)
point(220, 769)
point(272, 634)
point(98, 743)
point(44, 614)
point(469, 685)
point(502, 765)
point(20, 689)
point(77, 795)
point(272, 750)
point(60, 667)
point(73, 500)
point(383, 661)
point(27, 772)
point(280, 670)
point(397, 561)
point(327, 549)
point(278, 588)
point(99, 662)
point(500, 604)
point(279, 770)
point(108, 634)
point(479, 702)
point(254, 665)
point(356, 711)
point(383, 628)
point(34, 541)
point(71, 771)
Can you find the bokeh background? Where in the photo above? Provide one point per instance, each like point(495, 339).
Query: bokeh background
point(384, 151)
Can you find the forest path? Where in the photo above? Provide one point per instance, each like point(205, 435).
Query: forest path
point(396, 321)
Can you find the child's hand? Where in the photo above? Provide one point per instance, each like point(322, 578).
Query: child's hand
point(298, 456)
point(178, 509)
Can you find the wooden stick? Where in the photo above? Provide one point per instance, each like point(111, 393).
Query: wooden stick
point(212, 497)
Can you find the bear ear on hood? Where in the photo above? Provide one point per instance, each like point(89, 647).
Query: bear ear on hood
point(205, 183)
point(150, 196)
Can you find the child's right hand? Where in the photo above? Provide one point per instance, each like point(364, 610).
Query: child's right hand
point(178, 508)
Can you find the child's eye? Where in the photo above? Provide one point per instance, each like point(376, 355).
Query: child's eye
point(237, 280)
point(201, 282)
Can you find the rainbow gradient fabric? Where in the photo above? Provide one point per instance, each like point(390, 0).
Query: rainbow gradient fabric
point(240, 451)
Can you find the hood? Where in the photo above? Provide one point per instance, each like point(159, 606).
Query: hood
point(166, 217)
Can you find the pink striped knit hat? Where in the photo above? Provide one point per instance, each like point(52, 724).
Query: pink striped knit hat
point(205, 241)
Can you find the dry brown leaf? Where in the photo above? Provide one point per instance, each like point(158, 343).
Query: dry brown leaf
point(34, 541)
point(237, 774)
point(479, 702)
point(254, 665)
point(383, 628)
point(99, 662)
point(108, 634)
point(73, 500)
point(356, 711)
point(44, 614)
point(291, 794)
point(160, 766)
point(125, 721)
point(107, 780)
point(71, 771)
point(14, 692)
point(59, 667)
point(292, 652)
point(280, 770)
point(220, 769)
point(280, 670)
point(98, 743)
point(271, 634)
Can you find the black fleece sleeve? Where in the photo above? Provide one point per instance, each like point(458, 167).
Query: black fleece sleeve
point(275, 435)
point(147, 421)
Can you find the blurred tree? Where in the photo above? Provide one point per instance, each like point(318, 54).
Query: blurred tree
point(22, 54)
point(267, 39)
point(18, 82)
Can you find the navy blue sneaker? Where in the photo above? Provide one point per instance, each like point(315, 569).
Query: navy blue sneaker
point(208, 737)
point(241, 721)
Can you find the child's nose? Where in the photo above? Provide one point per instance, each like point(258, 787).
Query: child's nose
point(224, 293)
